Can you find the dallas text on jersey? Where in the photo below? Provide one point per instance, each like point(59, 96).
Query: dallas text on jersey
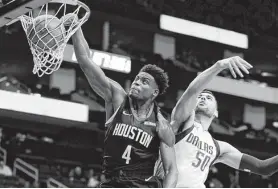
point(194, 140)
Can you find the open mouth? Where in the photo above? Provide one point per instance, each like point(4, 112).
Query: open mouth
point(134, 89)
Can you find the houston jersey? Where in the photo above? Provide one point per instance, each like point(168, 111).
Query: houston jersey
point(130, 144)
point(196, 151)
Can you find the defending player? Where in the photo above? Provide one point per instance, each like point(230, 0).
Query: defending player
point(195, 149)
point(135, 129)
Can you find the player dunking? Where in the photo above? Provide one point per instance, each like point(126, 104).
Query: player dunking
point(195, 148)
point(135, 129)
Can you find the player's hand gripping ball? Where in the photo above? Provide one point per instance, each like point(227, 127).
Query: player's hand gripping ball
point(46, 33)
point(165, 131)
point(70, 20)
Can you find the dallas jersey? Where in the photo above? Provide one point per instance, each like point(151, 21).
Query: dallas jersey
point(131, 144)
point(196, 151)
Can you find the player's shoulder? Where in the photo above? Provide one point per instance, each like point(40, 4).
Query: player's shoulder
point(113, 109)
point(223, 144)
point(224, 147)
point(118, 94)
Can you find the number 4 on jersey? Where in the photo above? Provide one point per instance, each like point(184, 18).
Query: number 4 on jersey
point(126, 154)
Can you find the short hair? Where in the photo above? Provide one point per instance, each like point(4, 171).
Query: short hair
point(160, 76)
point(209, 92)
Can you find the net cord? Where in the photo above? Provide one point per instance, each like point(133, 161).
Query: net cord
point(48, 59)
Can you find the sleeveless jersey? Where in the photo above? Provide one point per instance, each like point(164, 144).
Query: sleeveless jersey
point(131, 145)
point(196, 151)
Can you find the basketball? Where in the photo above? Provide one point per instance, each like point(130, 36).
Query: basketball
point(46, 33)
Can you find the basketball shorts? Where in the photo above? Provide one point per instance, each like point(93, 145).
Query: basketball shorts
point(123, 180)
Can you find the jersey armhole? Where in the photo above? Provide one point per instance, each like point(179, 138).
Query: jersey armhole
point(183, 134)
point(109, 121)
point(217, 151)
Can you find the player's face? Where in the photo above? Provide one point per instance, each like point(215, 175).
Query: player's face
point(143, 87)
point(206, 104)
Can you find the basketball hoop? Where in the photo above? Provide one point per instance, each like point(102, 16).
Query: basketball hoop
point(48, 55)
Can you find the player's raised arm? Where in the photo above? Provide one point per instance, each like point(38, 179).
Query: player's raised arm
point(187, 103)
point(108, 89)
point(232, 157)
point(96, 77)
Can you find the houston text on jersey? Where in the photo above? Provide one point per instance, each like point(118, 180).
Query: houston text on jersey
point(134, 133)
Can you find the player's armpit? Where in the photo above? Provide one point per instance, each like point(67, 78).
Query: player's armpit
point(262, 167)
point(96, 78)
point(180, 127)
point(183, 109)
point(118, 96)
point(108, 89)
point(168, 158)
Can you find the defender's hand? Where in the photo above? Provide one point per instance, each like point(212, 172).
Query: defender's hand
point(235, 65)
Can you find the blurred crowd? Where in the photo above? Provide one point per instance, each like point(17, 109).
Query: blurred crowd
point(75, 177)
point(222, 176)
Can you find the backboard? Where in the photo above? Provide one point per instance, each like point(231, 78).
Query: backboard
point(10, 10)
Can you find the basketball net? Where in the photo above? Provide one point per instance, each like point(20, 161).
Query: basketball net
point(49, 59)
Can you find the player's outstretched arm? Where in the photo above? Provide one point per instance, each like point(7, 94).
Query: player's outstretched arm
point(109, 90)
point(187, 103)
point(168, 158)
point(232, 157)
point(96, 77)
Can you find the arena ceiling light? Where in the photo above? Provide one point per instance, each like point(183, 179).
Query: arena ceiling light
point(275, 124)
point(203, 31)
point(43, 106)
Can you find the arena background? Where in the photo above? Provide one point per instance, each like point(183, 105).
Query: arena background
point(51, 128)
